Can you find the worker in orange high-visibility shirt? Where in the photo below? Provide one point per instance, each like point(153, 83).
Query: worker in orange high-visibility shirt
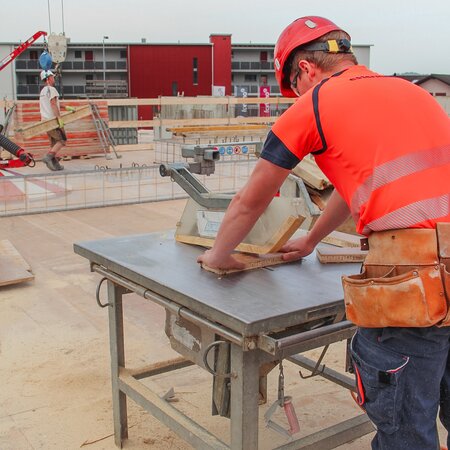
point(385, 145)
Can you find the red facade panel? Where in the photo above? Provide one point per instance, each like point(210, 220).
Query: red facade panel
point(222, 61)
point(165, 70)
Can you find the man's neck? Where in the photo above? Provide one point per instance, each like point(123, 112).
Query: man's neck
point(337, 68)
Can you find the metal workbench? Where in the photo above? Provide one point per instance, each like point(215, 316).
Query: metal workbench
point(264, 315)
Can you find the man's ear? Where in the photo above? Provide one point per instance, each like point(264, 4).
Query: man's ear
point(308, 68)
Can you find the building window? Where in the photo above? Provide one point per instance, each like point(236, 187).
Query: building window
point(123, 54)
point(32, 79)
point(33, 54)
point(440, 94)
point(174, 88)
point(250, 77)
point(263, 56)
point(89, 55)
point(195, 70)
point(78, 54)
point(89, 77)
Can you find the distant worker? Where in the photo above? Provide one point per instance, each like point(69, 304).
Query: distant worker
point(49, 106)
point(385, 145)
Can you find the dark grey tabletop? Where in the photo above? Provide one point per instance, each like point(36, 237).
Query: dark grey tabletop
point(253, 302)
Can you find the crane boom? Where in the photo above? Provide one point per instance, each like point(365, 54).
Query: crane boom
point(21, 48)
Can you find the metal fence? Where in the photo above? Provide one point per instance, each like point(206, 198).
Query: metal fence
point(69, 190)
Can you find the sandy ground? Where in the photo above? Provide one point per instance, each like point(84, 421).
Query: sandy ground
point(54, 346)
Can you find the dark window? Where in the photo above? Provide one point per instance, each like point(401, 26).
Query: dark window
point(174, 88)
point(33, 54)
point(32, 79)
point(89, 77)
point(195, 70)
point(263, 56)
point(78, 54)
point(250, 77)
point(123, 54)
point(440, 94)
point(89, 55)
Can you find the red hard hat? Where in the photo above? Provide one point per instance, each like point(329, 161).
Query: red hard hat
point(299, 32)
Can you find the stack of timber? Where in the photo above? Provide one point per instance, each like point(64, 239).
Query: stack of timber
point(82, 137)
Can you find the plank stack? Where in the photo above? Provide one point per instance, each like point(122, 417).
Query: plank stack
point(82, 137)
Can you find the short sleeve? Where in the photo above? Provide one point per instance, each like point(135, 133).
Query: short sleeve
point(294, 135)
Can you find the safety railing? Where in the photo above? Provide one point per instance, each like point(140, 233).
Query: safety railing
point(104, 186)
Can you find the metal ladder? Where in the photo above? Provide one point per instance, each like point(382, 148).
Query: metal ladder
point(105, 136)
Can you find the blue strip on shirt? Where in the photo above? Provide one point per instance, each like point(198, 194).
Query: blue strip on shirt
point(277, 153)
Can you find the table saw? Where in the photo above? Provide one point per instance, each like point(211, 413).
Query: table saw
point(263, 316)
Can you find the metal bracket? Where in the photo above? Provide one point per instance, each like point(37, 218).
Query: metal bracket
point(317, 369)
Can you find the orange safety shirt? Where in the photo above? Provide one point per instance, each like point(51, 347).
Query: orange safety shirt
point(382, 141)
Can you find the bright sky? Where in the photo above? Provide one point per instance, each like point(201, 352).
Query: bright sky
point(407, 35)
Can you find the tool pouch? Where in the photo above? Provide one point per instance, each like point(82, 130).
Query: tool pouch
point(401, 283)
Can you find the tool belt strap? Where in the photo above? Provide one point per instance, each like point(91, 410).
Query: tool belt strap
point(409, 247)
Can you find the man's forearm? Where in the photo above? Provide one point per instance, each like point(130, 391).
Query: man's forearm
point(247, 205)
point(237, 223)
point(334, 214)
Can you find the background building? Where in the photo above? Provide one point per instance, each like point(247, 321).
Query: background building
point(149, 70)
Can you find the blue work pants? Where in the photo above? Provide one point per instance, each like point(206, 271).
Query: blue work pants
point(405, 374)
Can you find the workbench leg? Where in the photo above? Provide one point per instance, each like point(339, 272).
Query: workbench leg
point(244, 399)
point(117, 350)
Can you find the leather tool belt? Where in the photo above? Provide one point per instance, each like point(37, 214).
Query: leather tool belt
point(404, 282)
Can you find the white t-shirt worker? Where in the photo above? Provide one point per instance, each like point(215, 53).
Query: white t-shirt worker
point(49, 107)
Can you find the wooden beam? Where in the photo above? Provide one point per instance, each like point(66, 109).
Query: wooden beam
point(272, 245)
point(251, 262)
point(199, 129)
point(330, 254)
point(51, 124)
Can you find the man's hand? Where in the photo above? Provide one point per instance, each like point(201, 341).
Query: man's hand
point(60, 122)
point(297, 248)
point(226, 263)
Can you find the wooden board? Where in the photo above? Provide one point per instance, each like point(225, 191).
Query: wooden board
point(13, 268)
point(251, 262)
point(337, 238)
point(272, 245)
point(330, 254)
point(51, 124)
point(199, 129)
point(340, 239)
point(311, 174)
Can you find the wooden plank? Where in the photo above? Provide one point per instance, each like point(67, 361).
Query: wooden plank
point(272, 245)
point(199, 129)
point(251, 262)
point(311, 174)
point(188, 122)
point(327, 255)
point(13, 268)
point(51, 124)
point(340, 239)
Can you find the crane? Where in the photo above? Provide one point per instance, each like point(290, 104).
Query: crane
point(21, 48)
point(24, 158)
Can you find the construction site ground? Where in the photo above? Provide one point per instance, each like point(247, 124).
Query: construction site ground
point(54, 344)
